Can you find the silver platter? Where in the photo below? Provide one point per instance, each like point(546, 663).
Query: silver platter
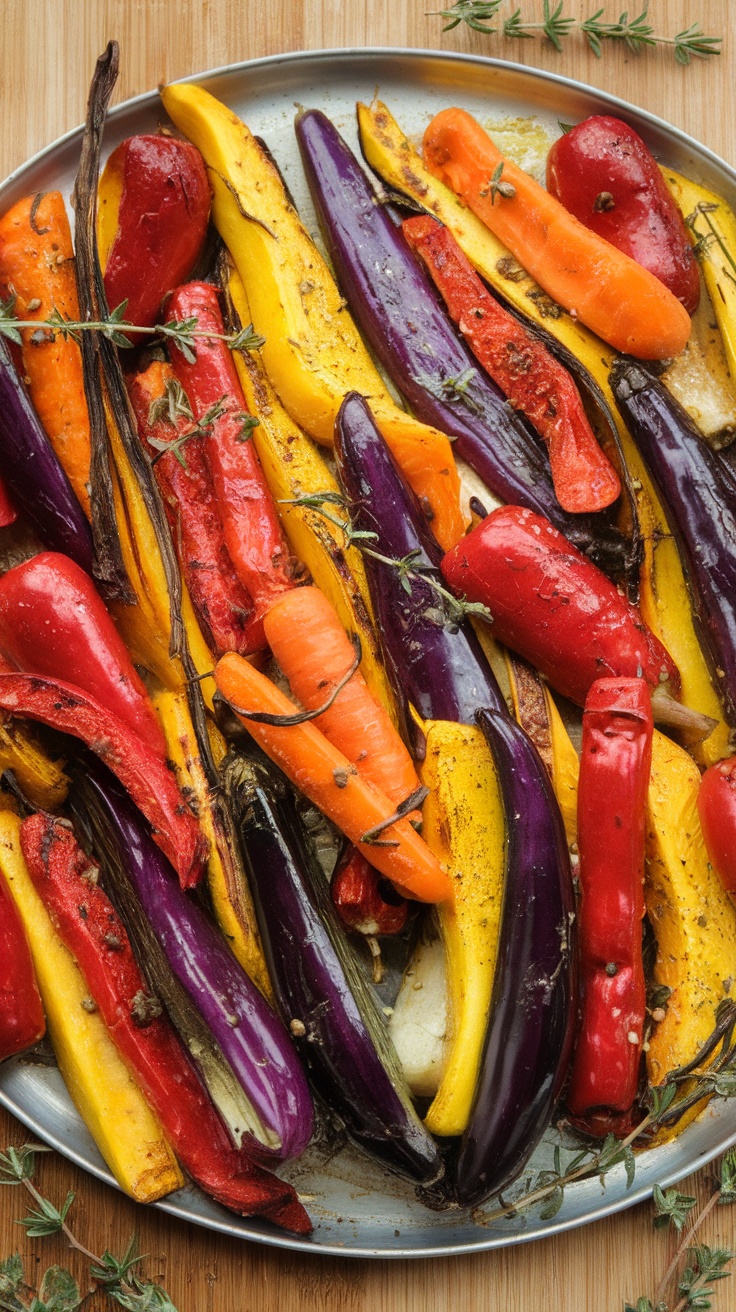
point(358, 1209)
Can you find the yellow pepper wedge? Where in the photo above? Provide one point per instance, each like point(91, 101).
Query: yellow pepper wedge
point(664, 598)
point(126, 1131)
point(535, 710)
point(231, 899)
point(294, 468)
point(464, 825)
point(313, 352)
point(692, 916)
point(42, 780)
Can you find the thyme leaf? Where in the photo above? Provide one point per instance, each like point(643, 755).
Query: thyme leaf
point(202, 428)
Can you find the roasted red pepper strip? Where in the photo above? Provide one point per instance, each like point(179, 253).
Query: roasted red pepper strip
point(615, 763)
point(717, 810)
point(253, 535)
point(8, 513)
point(149, 782)
point(224, 608)
point(22, 1020)
point(553, 606)
point(89, 926)
point(535, 383)
point(53, 621)
point(364, 899)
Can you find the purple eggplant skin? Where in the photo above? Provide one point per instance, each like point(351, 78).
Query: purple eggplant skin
point(699, 498)
point(402, 318)
point(433, 663)
point(529, 1038)
point(251, 1037)
point(34, 475)
point(320, 992)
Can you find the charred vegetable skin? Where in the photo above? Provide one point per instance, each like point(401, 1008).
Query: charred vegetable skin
point(697, 490)
point(603, 173)
point(528, 1041)
point(91, 929)
point(153, 208)
point(615, 765)
point(434, 665)
point(330, 1012)
point(552, 606)
point(22, 1020)
point(398, 311)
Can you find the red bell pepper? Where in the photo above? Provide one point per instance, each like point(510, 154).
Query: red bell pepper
point(554, 607)
point(602, 172)
point(223, 607)
point(8, 513)
point(22, 1020)
point(717, 810)
point(534, 382)
point(366, 902)
point(253, 534)
point(145, 777)
point(53, 621)
point(89, 926)
point(615, 763)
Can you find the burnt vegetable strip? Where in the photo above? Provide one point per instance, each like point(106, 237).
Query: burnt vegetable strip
point(400, 315)
point(330, 1010)
point(529, 1037)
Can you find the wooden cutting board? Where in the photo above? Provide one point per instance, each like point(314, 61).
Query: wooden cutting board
point(47, 53)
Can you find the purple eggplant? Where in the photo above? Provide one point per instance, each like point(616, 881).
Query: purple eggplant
point(251, 1038)
point(399, 313)
point(34, 475)
point(320, 992)
point(433, 662)
point(529, 1037)
point(698, 493)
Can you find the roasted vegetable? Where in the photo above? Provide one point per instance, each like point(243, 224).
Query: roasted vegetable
point(615, 764)
point(717, 811)
point(602, 172)
point(435, 665)
point(535, 710)
point(363, 813)
point(54, 622)
point(698, 491)
point(153, 207)
point(312, 352)
point(612, 295)
point(366, 902)
point(112, 1106)
point(41, 779)
point(238, 1039)
point(22, 1020)
point(329, 1009)
point(148, 780)
point(529, 1036)
point(527, 373)
point(89, 926)
point(37, 269)
point(419, 1024)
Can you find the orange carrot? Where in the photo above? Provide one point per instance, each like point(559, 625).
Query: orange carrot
point(307, 638)
point(332, 783)
point(37, 267)
point(608, 291)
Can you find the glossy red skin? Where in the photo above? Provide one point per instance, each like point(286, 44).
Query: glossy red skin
point(553, 606)
point(8, 513)
point(602, 154)
point(149, 782)
point(615, 764)
point(22, 1020)
point(717, 810)
point(53, 621)
point(162, 223)
point(535, 383)
point(356, 894)
point(253, 534)
point(91, 929)
point(223, 607)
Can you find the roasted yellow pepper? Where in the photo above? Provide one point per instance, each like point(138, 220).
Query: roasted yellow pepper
point(313, 352)
point(41, 779)
point(126, 1131)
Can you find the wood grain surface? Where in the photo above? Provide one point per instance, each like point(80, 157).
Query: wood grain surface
point(47, 53)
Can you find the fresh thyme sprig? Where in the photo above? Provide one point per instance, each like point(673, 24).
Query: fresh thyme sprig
point(173, 406)
point(58, 1290)
point(635, 31)
point(455, 609)
point(184, 333)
